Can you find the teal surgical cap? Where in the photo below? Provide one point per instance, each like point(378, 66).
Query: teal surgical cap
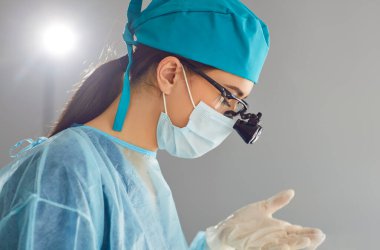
point(224, 34)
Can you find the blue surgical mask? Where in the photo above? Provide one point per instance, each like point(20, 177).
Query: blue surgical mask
point(206, 129)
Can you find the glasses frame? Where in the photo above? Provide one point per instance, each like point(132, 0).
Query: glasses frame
point(226, 94)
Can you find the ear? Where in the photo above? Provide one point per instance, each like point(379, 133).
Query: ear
point(168, 74)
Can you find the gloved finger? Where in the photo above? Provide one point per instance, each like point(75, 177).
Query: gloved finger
point(277, 201)
point(315, 235)
point(298, 242)
point(316, 243)
point(278, 237)
point(275, 246)
point(255, 239)
point(265, 235)
point(295, 242)
point(264, 207)
point(269, 232)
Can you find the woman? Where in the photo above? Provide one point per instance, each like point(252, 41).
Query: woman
point(95, 182)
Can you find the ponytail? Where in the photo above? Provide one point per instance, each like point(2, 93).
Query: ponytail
point(100, 88)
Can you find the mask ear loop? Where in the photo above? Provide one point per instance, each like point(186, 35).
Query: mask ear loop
point(163, 95)
point(188, 89)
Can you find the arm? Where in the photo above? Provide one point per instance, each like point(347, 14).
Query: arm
point(41, 224)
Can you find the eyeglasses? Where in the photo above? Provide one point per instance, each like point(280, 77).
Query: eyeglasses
point(248, 126)
point(235, 105)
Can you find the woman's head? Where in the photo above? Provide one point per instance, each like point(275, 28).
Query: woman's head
point(170, 80)
point(153, 71)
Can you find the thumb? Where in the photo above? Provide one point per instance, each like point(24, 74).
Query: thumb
point(278, 201)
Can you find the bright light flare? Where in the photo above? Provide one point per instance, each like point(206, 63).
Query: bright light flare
point(58, 39)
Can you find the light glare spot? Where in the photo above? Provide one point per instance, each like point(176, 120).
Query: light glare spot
point(58, 39)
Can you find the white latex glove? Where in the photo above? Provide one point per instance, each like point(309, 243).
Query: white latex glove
point(252, 227)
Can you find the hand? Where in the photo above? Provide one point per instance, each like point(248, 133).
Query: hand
point(253, 227)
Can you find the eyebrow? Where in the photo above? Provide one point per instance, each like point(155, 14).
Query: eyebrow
point(239, 92)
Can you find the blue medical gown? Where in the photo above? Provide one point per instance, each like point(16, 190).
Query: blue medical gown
point(84, 189)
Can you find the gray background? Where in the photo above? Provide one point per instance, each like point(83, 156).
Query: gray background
point(318, 92)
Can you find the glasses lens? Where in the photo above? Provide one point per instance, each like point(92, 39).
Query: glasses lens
point(235, 105)
point(239, 106)
point(219, 104)
point(222, 105)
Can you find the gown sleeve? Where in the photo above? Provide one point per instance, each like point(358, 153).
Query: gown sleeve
point(41, 224)
point(199, 242)
point(51, 201)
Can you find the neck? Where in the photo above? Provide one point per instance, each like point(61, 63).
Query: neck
point(140, 124)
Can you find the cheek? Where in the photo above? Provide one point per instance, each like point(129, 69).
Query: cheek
point(180, 106)
point(208, 94)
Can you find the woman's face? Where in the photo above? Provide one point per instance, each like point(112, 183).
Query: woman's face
point(171, 81)
point(238, 86)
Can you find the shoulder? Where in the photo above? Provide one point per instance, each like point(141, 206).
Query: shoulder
point(70, 151)
point(60, 169)
point(69, 164)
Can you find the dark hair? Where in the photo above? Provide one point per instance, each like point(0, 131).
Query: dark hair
point(98, 89)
